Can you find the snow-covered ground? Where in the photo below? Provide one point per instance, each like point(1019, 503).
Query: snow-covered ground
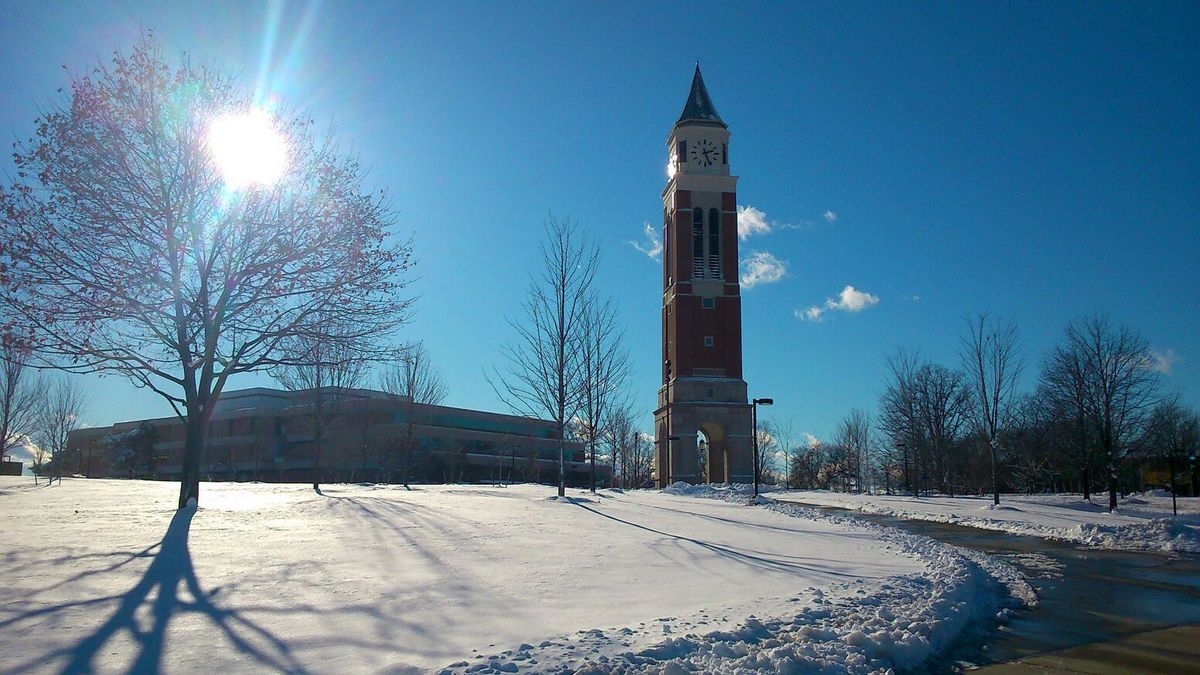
point(1142, 522)
point(104, 575)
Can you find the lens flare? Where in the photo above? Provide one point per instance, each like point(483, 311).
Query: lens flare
point(247, 149)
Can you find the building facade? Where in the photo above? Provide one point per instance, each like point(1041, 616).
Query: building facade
point(703, 421)
point(365, 435)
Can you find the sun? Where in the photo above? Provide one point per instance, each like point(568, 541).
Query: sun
point(247, 148)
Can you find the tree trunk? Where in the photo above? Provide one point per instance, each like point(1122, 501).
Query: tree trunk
point(1087, 483)
point(592, 442)
point(316, 474)
point(1112, 481)
point(189, 480)
point(406, 464)
point(562, 458)
point(995, 484)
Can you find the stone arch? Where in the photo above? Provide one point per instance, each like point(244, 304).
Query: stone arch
point(661, 466)
point(702, 457)
point(717, 459)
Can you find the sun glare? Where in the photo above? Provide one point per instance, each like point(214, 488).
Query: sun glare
point(247, 149)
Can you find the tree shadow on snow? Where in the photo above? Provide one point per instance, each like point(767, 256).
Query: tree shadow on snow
point(169, 588)
point(756, 559)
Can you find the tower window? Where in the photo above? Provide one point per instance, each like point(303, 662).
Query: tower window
point(714, 243)
point(708, 340)
point(697, 242)
point(724, 153)
point(681, 152)
point(708, 303)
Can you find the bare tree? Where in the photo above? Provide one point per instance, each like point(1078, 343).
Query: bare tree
point(768, 447)
point(641, 460)
point(993, 365)
point(21, 395)
point(1030, 443)
point(1063, 386)
point(414, 379)
point(57, 417)
point(620, 435)
point(1174, 431)
point(854, 439)
point(1122, 387)
point(898, 417)
point(129, 251)
point(603, 369)
point(324, 371)
point(923, 411)
point(784, 433)
point(943, 401)
point(809, 464)
point(542, 375)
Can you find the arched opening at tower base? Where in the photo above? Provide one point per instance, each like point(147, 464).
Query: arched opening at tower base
point(713, 462)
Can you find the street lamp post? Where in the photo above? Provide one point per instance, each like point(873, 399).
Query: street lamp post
point(754, 415)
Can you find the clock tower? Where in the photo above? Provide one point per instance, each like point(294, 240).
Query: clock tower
point(703, 420)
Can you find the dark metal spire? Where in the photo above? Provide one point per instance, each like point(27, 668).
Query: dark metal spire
point(699, 107)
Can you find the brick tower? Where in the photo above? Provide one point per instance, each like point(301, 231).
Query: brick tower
point(702, 424)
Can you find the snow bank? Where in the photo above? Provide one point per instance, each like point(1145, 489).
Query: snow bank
point(1141, 523)
point(850, 627)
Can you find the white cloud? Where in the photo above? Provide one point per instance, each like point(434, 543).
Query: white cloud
point(751, 221)
point(1163, 361)
point(853, 300)
point(849, 300)
point(810, 440)
point(653, 246)
point(761, 268)
point(811, 314)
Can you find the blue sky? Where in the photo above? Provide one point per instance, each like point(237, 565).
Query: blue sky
point(1034, 160)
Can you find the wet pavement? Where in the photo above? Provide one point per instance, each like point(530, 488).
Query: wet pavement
point(1098, 612)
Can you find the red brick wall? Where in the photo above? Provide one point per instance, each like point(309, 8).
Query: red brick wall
point(687, 319)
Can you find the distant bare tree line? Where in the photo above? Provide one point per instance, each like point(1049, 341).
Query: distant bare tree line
point(1099, 404)
point(37, 412)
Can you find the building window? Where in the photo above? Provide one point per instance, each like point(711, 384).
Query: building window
point(680, 152)
point(724, 153)
point(708, 303)
point(714, 243)
point(697, 243)
point(710, 392)
point(708, 341)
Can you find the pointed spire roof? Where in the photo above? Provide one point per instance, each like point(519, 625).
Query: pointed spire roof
point(699, 107)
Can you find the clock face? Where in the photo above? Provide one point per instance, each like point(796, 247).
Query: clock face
point(705, 153)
